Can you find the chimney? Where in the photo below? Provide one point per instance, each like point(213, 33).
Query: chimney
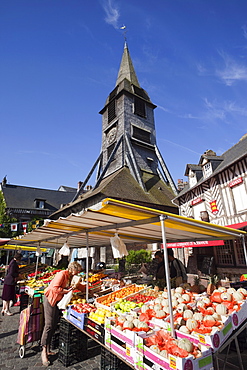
point(79, 185)
point(89, 187)
point(4, 181)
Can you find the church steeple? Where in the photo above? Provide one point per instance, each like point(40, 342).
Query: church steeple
point(129, 135)
point(126, 69)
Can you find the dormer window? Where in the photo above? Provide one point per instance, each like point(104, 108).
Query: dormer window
point(192, 179)
point(39, 203)
point(207, 170)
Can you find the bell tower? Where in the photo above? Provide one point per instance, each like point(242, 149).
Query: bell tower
point(129, 136)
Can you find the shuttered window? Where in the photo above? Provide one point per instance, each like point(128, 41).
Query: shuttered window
point(111, 110)
point(141, 135)
point(139, 107)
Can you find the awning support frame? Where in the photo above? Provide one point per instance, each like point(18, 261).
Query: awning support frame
point(167, 273)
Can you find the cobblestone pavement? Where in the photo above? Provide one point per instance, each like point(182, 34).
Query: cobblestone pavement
point(10, 359)
point(9, 349)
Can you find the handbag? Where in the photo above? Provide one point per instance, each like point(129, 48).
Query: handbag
point(65, 300)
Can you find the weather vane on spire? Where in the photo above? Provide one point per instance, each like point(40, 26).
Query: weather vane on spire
point(124, 32)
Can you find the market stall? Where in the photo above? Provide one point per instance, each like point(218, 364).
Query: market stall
point(134, 224)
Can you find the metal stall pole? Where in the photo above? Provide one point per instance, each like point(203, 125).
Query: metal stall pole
point(38, 253)
point(244, 246)
point(167, 271)
point(87, 268)
point(7, 262)
point(37, 263)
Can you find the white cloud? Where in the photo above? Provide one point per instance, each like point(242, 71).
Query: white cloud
point(181, 146)
point(201, 69)
point(163, 108)
point(231, 107)
point(112, 13)
point(189, 116)
point(214, 110)
point(232, 71)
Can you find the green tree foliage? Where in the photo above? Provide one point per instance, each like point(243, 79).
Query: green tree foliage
point(36, 222)
point(5, 232)
point(138, 257)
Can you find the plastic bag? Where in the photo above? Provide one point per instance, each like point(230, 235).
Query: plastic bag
point(119, 249)
point(65, 251)
point(65, 300)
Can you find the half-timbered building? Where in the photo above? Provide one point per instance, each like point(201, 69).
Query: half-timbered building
point(217, 193)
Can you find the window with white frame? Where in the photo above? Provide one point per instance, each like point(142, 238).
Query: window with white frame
point(39, 203)
point(240, 197)
point(192, 178)
point(207, 170)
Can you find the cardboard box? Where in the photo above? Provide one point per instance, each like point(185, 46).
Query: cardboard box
point(239, 316)
point(214, 340)
point(94, 329)
point(123, 343)
point(127, 337)
point(145, 357)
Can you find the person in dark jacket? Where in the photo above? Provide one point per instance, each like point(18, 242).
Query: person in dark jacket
point(178, 272)
point(160, 272)
point(9, 284)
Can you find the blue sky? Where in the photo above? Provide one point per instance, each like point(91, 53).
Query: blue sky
point(60, 59)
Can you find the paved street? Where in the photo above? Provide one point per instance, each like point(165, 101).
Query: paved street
point(9, 350)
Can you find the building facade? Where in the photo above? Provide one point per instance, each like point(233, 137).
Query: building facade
point(217, 193)
point(25, 203)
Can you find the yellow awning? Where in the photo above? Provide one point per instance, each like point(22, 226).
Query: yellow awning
point(134, 224)
point(21, 248)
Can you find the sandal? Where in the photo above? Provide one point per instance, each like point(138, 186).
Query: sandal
point(9, 313)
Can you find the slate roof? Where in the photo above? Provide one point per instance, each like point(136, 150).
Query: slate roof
point(24, 197)
point(193, 167)
point(232, 155)
point(121, 185)
point(126, 69)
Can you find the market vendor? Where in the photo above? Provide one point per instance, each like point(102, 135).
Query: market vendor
point(59, 286)
point(178, 272)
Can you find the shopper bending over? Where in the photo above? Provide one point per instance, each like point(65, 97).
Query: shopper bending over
point(10, 281)
point(59, 286)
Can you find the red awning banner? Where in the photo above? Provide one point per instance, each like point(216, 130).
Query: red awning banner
point(206, 243)
point(237, 226)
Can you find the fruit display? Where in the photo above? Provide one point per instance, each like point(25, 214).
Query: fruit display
point(130, 322)
point(41, 280)
point(84, 307)
point(141, 298)
point(163, 344)
point(123, 305)
point(195, 314)
point(121, 293)
point(92, 278)
point(100, 314)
